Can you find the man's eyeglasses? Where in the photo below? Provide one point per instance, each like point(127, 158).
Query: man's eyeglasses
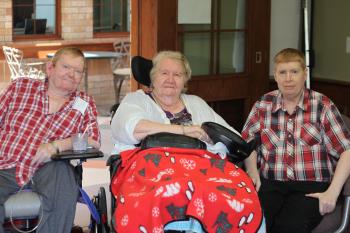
point(77, 72)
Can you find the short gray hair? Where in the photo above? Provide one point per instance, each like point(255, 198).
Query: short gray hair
point(72, 51)
point(174, 55)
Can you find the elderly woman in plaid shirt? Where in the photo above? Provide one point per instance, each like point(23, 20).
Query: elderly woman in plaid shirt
point(304, 150)
point(37, 119)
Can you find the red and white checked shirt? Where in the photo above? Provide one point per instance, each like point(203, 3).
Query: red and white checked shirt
point(25, 123)
point(304, 146)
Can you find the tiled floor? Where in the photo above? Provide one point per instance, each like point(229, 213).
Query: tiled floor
point(96, 174)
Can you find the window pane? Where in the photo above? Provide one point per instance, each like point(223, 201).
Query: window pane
point(232, 51)
point(21, 13)
point(17, 2)
point(30, 18)
point(101, 15)
point(47, 12)
point(219, 47)
point(111, 15)
point(232, 14)
point(45, 2)
point(197, 50)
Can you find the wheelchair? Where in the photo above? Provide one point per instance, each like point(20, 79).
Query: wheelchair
point(23, 212)
point(237, 147)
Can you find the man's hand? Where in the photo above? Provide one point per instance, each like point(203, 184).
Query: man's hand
point(43, 154)
point(250, 164)
point(327, 201)
point(255, 178)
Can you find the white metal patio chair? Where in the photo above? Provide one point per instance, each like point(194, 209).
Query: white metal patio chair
point(121, 66)
point(19, 68)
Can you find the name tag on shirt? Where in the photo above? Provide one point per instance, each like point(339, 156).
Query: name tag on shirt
point(80, 105)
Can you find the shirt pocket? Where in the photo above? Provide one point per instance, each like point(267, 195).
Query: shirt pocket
point(310, 135)
point(271, 141)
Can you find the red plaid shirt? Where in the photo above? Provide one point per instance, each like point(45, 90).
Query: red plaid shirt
point(25, 123)
point(304, 146)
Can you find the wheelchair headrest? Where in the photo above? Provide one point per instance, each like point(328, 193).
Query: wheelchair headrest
point(141, 68)
point(237, 147)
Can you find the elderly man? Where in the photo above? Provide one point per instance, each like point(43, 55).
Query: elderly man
point(303, 152)
point(37, 120)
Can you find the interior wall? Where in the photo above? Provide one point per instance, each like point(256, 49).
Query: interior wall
point(331, 27)
point(330, 30)
point(285, 24)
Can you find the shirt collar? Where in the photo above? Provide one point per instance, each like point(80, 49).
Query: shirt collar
point(303, 104)
point(45, 86)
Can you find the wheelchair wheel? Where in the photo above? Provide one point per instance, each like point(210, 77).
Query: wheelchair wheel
point(100, 203)
point(25, 225)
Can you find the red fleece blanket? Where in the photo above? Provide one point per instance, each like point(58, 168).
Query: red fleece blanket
point(156, 186)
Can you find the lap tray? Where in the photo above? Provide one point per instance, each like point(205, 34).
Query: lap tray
point(70, 154)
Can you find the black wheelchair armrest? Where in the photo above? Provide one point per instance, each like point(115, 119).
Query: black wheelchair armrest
point(82, 155)
point(346, 206)
point(172, 140)
point(113, 162)
point(112, 159)
point(338, 220)
point(238, 149)
point(346, 187)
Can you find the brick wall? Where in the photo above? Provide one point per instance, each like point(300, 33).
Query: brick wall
point(101, 85)
point(77, 19)
point(5, 20)
point(77, 28)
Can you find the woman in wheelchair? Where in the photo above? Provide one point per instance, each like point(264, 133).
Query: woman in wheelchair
point(37, 120)
point(155, 188)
